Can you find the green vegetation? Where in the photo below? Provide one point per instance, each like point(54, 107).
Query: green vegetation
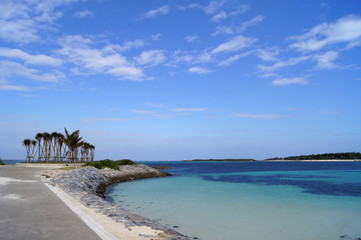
point(107, 163)
point(126, 162)
point(1, 162)
point(325, 156)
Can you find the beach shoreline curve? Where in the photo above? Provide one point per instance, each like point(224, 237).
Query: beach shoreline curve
point(88, 184)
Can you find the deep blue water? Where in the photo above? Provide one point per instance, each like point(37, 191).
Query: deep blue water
point(309, 182)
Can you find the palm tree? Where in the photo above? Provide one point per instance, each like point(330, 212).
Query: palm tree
point(55, 143)
point(85, 152)
point(39, 137)
point(57, 147)
point(27, 143)
point(60, 146)
point(73, 141)
point(33, 152)
point(47, 139)
point(92, 152)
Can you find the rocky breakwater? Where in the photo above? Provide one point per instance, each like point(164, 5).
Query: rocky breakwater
point(88, 185)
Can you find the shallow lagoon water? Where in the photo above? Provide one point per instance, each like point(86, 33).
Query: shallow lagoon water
point(251, 201)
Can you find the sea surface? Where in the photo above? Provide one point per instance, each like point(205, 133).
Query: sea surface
point(11, 162)
point(250, 200)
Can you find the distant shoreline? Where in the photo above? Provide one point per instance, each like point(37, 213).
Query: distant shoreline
point(315, 160)
point(274, 160)
point(220, 160)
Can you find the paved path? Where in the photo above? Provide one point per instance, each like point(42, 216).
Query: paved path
point(29, 210)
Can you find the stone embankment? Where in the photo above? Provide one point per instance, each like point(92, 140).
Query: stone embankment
point(88, 185)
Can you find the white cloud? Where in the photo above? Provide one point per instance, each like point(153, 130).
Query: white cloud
point(281, 64)
point(188, 109)
point(127, 72)
point(23, 21)
point(6, 86)
point(152, 57)
point(143, 112)
point(289, 81)
point(269, 75)
point(219, 16)
point(177, 58)
point(259, 116)
point(199, 70)
point(235, 44)
point(153, 114)
point(156, 105)
point(223, 15)
point(228, 30)
point(250, 23)
point(191, 38)
point(131, 44)
point(156, 37)
point(267, 54)
point(211, 8)
point(21, 31)
point(345, 30)
point(204, 57)
point(39, 59)
point(325, 61)
point(84, 13)
point(164, 10)
point(237, 29)
point(11, 69)
point(234, 58)
point(89, 60)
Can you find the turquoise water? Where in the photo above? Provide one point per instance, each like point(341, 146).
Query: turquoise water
point(251, 201)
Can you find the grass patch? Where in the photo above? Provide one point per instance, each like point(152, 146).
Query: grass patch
point(107, 163)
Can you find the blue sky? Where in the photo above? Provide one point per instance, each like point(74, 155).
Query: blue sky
point(173, 80)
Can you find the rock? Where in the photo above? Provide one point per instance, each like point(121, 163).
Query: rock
point(89, 184)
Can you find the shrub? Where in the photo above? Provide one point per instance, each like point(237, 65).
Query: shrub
point(1, 162)
point(107, 163)
point(125, 162)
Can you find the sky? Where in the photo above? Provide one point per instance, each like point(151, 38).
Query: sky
point(182, 79)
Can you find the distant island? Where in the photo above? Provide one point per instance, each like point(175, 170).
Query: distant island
point(220, 160)
point(319, 157)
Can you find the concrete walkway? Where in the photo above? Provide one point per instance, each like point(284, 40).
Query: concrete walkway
point(30, 210)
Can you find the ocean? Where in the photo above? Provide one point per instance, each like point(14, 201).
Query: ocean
point(250, 200)
point(11, 162)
